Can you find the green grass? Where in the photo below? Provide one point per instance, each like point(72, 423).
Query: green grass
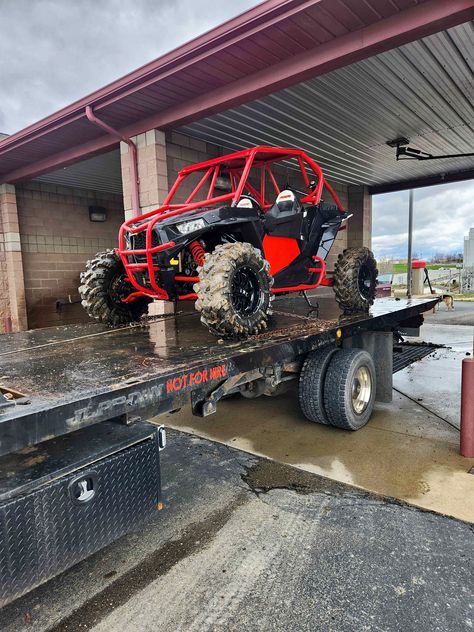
point(402, 267)
point(463, 297)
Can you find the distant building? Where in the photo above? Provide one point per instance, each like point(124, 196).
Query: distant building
point(468, 260)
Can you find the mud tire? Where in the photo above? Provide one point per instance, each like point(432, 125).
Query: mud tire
point(215, 291)
point(99, 296)
point(311, 384)
point(355, 279)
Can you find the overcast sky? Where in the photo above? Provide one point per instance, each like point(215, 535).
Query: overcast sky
point(442, 215)
point(53, 52)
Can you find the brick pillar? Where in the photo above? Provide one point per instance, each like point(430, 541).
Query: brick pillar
point(152, 171)
point(360, 224)
point(153, 176)
point(12, 286)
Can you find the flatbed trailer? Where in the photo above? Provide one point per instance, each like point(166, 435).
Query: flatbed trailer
point(69, 392)
point(61, 379)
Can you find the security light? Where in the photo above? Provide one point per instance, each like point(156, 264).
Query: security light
point(97, 214)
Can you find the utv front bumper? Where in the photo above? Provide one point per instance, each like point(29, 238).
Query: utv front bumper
point(149, 253)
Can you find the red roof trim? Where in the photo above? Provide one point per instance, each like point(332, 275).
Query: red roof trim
point(424, 18)
point(257, 18)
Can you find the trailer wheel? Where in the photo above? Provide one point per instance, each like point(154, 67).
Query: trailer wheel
point(234, 291)
point(311, 384)
point(103, 284)
point(355, 279)
point(349, 389)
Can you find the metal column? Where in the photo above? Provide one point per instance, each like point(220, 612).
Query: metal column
point(410, 242)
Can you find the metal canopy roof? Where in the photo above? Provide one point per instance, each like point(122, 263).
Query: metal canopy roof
point(423, 91)
point(100, 173)
point(278, 44)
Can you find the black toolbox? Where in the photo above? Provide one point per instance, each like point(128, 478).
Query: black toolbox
point(64, 499)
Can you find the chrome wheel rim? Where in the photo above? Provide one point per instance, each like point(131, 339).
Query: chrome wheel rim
point(361, 390)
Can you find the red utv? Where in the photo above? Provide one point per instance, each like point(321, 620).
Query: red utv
point(229, 236)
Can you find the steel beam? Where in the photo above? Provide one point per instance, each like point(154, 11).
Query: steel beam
point(426, 181)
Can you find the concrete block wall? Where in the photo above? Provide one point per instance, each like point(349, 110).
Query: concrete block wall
point(152, 171)
point(12, 291)
point(360, 203)
point(57, 238)
point(4, 291)
point(182, 151)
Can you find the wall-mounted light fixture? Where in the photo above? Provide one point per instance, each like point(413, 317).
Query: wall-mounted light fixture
point(404, 152)
point(97, 214)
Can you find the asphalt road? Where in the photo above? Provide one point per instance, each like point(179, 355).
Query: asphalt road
point(247, 544)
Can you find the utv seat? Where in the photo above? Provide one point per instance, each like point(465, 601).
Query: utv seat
point(244, 203)
point(321, 214)
point(284, 219)
point(286, 204)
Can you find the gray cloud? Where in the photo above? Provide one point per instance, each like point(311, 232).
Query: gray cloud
point(442, 216)
point(53, 52)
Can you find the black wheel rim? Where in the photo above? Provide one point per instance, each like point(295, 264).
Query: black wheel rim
point(245, 291)
point(366, 281)
point(119, 288)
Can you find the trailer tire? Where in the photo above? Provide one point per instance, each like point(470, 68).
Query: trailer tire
point(311, 384)
point(225, 310)
point(349, 389)
point(355, 280)
point(101, 290)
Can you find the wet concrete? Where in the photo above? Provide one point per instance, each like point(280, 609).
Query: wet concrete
point(121, 590)
point(404, 452)
point(462, 314)
point(245, 544)
point(265, 476)
point(435, 381)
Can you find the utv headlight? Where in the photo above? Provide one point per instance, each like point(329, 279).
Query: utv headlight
point(191, 226)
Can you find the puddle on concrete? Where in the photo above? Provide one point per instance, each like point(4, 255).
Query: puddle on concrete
point(404, 452)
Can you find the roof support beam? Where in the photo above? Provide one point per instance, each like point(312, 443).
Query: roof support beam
point(427, 181)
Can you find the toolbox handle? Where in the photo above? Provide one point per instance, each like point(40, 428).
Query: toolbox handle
point(83, 489)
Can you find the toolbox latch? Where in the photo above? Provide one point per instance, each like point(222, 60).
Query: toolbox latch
point(161, 438)
point(83, 489)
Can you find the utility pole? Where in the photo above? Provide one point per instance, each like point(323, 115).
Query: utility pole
point(410, 242)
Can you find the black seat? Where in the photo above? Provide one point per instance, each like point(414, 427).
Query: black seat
point(286, 204)
point(284, 219)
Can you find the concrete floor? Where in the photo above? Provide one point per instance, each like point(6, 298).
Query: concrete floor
point(462, 314)
point(246, 544)
point(409, 450)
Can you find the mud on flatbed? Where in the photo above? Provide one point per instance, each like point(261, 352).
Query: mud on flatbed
point(66, 378)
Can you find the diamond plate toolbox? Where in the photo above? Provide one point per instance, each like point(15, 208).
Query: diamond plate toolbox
point(67, 498)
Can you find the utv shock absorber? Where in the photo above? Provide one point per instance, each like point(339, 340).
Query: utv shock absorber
point(197, 252)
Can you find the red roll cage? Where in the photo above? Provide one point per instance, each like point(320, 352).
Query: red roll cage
point(256, 163)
